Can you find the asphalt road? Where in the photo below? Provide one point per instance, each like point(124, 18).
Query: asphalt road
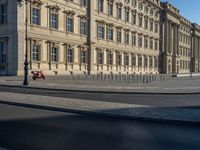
point(24, 128)
point(175, 100)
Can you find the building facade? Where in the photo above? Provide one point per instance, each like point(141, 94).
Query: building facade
point(196, 48)
point(97, 37)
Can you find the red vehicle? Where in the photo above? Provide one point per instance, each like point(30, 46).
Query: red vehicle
point(37, 75)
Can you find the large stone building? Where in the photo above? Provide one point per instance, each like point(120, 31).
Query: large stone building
point(97, 36)
point(196, 48)
point(176, 35)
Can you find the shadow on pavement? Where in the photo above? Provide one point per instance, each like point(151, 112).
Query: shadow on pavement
point(86, 132)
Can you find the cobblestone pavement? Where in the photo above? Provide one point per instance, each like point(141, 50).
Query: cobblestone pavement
point(181, 115)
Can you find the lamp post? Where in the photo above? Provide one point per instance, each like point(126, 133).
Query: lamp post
point(26, 68)
point(191, 55)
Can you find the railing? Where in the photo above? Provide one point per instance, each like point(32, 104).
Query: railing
point(147, 78)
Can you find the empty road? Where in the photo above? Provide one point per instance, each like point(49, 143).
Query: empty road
point(175, 100)
point(23, 128)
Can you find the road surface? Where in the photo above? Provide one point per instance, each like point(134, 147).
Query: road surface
point(179, 100)
point(23, 128)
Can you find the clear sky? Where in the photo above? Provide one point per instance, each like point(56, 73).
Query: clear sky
point(190, 9)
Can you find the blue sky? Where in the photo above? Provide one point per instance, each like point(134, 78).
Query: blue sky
point(190, 9)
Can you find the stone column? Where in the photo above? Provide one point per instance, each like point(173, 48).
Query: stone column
point(91, 35)
point(122, 59)
point(105, 52)
point(114, 58)
point(61, 53)
point(142, 62)
point(177, 38)
point(136, 60)
point(169, 37)
point(76, 58)
point(148, 63)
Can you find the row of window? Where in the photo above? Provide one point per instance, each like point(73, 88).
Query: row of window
point(127, 61)
point(110, 6)
point(144, 22)
point(145, 42)
point(184, 64)
point(185, 29)
point(184, 52)
point(185, 39)
point(36, 54)
point(54, 21)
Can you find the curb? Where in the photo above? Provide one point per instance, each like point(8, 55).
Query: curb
point(100, 114)
point(95, 91)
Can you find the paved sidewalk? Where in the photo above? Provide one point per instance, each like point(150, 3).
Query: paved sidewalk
point(180, 85)
point(130, 111)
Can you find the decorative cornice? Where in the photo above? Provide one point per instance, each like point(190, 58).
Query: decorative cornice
point(69, 12)
point(127, 29)
point(55, 8)
point(100, 21)
point(84, 17)
point(134, 11)
point(127, 8)
point(119, 4)
point(111, 1)
point(119, 27)
point(110, 24)
point(37, 3)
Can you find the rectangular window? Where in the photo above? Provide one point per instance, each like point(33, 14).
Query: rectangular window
point(150, 62)
point(54, 20)
point(140, 41)
point(54, 54)
point(83, 57)
point(146, 23)
point(145, 43)
point(3, 13)
point(100, 5)
point(134, 60)
point(134, 19)
point(145, 61)
point(119, 36)
point(100, 58)
point(3, 51)
point(156, 27)
point(110, 33)
point(119, 12)
point(70, 24)
point(110, 58)
point(140, 21)
point(151, 26)
point(36, 16)
point(134, 39)
point(151, 44)
point(140, 61)
point(35, 52)
point(156, 45)
point(83, 27)
point(70, 55)
point(83, 2)
point(126, 16)
point(126, 59)
point(155, 62)
point(110, 9)
point(127, 37)
point(101, 31)
point(119, 59)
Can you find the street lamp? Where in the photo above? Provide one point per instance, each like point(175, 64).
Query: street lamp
point(26, 68)
point(191, 55)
